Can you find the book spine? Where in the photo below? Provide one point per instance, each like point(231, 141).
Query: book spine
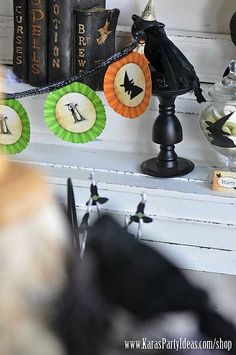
point(83, 45)
point(61, 36)
point(88, 4)
point(38, 42)
point(20, 48)
point(105, 41)
point(95, 41)
point(82, 5)
point(60, 42)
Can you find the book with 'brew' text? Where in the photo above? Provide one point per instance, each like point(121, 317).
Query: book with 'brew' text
point(61, 40)
point(95, 41)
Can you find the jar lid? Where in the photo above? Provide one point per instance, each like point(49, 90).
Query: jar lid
point(225, 90)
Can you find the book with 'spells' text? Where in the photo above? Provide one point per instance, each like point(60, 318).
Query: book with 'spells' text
point(38, 42)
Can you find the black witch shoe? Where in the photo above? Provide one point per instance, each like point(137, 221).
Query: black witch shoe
point(95, 198)
point(72, 215)
point(128, 222)
point(83, 233)
point(140, 215)
point(84, 224)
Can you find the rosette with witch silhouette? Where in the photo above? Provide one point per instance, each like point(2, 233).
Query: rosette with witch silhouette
point(127, 85)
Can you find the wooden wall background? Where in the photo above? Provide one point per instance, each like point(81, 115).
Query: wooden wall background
point(210, 16)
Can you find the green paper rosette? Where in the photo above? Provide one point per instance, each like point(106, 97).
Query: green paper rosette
point(75, 113)
point(14, 127)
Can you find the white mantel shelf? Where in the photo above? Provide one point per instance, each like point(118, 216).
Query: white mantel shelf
point(192, 224)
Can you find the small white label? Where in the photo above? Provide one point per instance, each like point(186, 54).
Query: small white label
point(224, 181)
point(227, 182)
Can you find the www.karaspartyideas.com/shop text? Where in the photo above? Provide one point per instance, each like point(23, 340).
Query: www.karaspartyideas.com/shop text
point(178, 344)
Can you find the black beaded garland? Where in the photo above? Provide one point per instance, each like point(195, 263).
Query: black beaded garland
point(60, 84)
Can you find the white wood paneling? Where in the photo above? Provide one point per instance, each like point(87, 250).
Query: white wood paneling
point(188, 221)
point(6, 40)
point(206, 16)
point(211, 16)
point(209, 64)
point(6, 8)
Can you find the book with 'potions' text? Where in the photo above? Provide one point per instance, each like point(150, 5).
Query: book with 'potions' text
point(61, 40)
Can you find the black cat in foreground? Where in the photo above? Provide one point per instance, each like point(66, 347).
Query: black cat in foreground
point(123, 287)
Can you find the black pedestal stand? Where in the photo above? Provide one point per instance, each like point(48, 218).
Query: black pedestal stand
point(167, 132)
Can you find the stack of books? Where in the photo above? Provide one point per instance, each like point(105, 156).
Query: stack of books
point(55, 39)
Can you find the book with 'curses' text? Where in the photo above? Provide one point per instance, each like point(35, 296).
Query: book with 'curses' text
point(20, 44)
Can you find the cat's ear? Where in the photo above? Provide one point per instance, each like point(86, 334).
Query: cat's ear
point(233, 28)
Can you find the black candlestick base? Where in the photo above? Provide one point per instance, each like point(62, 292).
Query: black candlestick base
point(151, 167)
point(167, 132)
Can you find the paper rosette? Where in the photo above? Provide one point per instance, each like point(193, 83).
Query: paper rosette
point(14, 127)
point(75, 113)
point(127, 85)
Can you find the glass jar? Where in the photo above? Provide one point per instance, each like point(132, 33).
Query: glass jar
point(218, 120)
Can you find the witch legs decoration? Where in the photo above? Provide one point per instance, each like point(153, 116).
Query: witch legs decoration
point(139, 217)
point(80, 233)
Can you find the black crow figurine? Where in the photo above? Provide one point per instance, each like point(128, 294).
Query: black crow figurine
point(173, 70)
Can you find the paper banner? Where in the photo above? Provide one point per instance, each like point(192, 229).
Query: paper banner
point(14, 127)
point(127, 85)
point(75, 113)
